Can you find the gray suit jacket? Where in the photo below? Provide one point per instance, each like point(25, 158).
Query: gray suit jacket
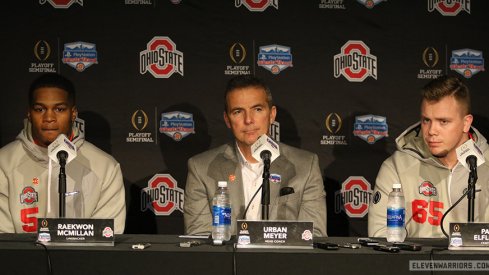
point(297, 168)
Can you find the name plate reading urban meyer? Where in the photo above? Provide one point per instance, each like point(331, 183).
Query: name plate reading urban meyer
point(275, 234)
point(75, 232)
point(469, 236)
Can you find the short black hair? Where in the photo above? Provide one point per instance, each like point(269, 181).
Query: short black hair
point(240, 82)
point(53, 80)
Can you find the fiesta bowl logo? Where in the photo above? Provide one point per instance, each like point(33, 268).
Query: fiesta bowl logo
point(467, 62)
point(355, 62)
point(354, 197)
point(370, 3)
point(370, 128)
point(61, 4)
point(256, 5)
point(449, 7)
point(275, 58)
point(80, 55)
point(177, 125)
point(161, 58)
point(28, 196)
point(426, 188)
point(162, 196)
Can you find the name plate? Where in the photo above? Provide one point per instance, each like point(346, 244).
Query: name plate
point(75, 232)
point(469, 236)
point(275, 234)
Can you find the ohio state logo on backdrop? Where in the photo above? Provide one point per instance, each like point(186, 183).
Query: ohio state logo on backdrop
point(354, 197)
point(61, 4)
point(355, 62)
point(161, 58)
point(256, 5)
point(162, 196)
point(449, 7)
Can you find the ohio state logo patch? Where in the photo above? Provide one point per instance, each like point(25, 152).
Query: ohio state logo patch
point(61, 4)
point(256, 5)
point(428, 189)
point(162, 196)
point(449, 7)
point(161, 58)
point(355, 62)
point(354, 197)
point(28, 195)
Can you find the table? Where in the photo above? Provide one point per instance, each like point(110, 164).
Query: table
point(20, 255)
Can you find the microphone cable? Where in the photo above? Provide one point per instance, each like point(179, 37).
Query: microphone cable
point(48, 258)
point(453, 206)
point(249, 203)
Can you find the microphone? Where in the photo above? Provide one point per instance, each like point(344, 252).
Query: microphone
point(265, 148)
point(62, 150)
point(62, 156)
point(469, 155)
point(265, 155)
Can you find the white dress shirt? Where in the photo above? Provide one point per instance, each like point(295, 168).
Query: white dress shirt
point(252, 174)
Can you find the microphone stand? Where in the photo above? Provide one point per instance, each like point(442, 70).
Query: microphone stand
point(62, 187)
point(265, 194)
point(471, 194)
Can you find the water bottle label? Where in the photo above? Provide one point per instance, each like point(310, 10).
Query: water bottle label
point(221, 215)
point(395, 217)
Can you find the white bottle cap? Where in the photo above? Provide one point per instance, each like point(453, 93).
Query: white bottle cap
point(222, 184)
point(396, 185)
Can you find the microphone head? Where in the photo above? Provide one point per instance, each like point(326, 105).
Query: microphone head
point(62, 154)
point(62, 143)
point(265, 143)
point(469, 150)
point(471, 161)
point(265, 155)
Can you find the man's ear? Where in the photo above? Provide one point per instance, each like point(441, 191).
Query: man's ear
point(273, 114)
point(468, 119)
point(74, 113)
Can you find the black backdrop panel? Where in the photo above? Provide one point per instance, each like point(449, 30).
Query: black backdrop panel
point(153, 116)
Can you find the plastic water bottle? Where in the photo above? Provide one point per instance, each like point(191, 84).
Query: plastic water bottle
point(396, 214)
point(221, 214)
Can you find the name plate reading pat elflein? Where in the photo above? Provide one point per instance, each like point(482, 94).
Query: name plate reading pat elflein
point(469, 236)
point(75, 232)
point(275, 234)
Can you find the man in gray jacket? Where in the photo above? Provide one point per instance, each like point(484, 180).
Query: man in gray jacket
point(29, 180)
point(248, 112)
point(426, 165)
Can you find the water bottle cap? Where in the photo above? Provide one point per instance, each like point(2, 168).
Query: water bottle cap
point(222, 184)
point(396, 185)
